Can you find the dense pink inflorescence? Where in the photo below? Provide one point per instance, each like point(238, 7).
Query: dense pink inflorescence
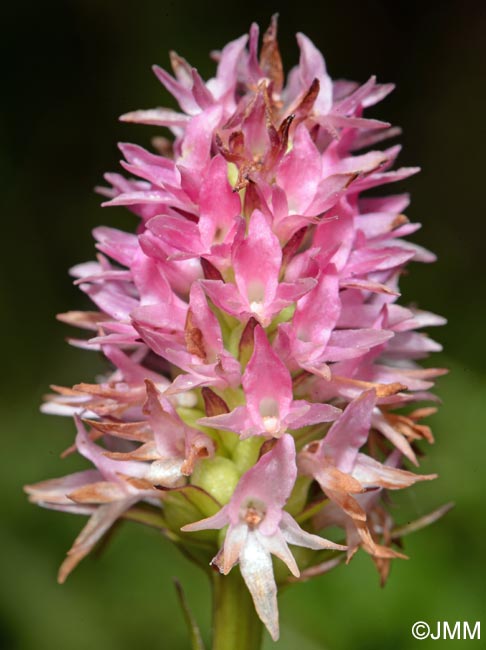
point(258, 351)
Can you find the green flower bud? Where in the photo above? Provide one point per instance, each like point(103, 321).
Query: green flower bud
point(218, 476)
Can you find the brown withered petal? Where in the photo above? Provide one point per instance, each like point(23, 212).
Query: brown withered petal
point(420, 413)
point(304, 108)
point(279, 141)
point(410, 428)
point(213, 403)
point(399, 220)
point(210, 271)
point(194, 338)
point(98, 524)
point(101, 492)
point(338, 481)
point(87, 320)
point(194, 454)
point(246, 344)
point(236, 144)
point(55, 490)
point(383, 566)
point(292, 246)
point(136, 431)
point(348, 504)
point(267, 446)
point(107, 391)
point(146, 452)
point(138, 483)
point(382, 390)
point(270, 59)
point(65, 391)
point(374, 549)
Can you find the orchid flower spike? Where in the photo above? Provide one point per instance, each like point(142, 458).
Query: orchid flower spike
point(260, 370)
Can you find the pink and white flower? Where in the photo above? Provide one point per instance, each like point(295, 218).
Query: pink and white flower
point(258, 527)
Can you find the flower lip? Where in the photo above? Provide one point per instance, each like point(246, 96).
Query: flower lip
point(271, 424)
point(256, 291)
point(270, 414)
point(252, 513)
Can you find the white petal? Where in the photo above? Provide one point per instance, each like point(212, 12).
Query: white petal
point(257, 571)
point(370, 473)
point(277, 545)
point(166, 472)
point(294, 534)
point(233, 543)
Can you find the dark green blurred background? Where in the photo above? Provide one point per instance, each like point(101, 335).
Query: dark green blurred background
point(68, 70)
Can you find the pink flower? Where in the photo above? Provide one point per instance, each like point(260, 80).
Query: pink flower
point(259, 527)
point(256, 261)
point(341, 470)
point(270, 409)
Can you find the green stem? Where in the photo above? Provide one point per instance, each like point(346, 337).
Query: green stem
point(236, 625)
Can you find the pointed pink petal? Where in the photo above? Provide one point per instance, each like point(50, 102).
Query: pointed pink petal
point(269, 481)
point(381, 178)
point(308, 413)
point(257, 261)
point(237, 421)
point(179, 233)
point(289, 292)
point(219, 205)
point(266, 382)
point(120, 246)
point(168, 429)
point(317, 313)
point(347, 344)
point(153, 168)
point(200, 92)
point(312, 66)
point(205, 320)
point(329, 191)
point(351, 102)
point(300, 170)
point(411, 345)
point(198, 138)
point(219, 520)
point(132, 372)
point(228, 62)
point(182, 94)
point(112, 299)
point(348, 434)
point(225, 296)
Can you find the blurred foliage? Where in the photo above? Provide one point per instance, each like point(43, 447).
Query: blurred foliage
point(70, 68)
